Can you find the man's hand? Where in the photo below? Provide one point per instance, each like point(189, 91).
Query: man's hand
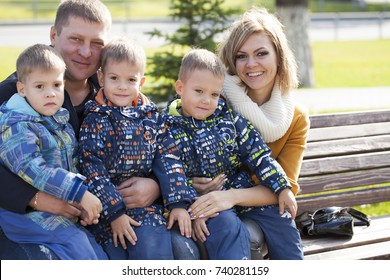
point(48, 203)
point(139, 192)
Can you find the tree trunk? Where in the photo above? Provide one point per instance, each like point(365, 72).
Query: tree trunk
point(294, 14)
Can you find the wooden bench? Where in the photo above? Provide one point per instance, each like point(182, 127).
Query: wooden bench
point(347, 163)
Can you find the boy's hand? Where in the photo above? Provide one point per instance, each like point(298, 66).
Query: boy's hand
point(200, 229)
point(121, 229)
point(287, 200)
point(92, 205)
point(183, 218)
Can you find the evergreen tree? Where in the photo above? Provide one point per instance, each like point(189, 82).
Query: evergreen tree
point(202, 21)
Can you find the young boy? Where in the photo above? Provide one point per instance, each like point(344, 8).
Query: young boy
point(201, 137)
point(38, 144)
point(117, 142)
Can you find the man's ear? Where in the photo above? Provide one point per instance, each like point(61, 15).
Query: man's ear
point(179, 87)
point(20, 88)
point(53, 33)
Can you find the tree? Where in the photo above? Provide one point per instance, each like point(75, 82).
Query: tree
point(294, 14)
point(203, 21)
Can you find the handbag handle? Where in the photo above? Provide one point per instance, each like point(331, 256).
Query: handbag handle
point(362, 219)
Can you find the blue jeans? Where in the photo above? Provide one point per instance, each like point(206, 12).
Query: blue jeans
point(183, 249)
point(10, 250)
point(153, 243)
point(229, 238)
point(281, 234)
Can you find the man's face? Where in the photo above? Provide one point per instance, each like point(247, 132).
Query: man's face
point(80, 44)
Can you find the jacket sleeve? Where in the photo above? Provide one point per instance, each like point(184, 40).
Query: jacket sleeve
point(92, 141)
point(257, 156)
point(20, 152)
point(170, 171)
point(291, 154)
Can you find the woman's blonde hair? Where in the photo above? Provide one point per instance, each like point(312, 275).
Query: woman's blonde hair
point(259, 20)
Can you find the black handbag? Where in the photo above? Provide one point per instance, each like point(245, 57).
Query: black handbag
point(331, 221)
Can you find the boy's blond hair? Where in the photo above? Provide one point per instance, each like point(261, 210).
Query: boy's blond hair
point(201, 59)
point(90, 10)
point(38, 56)
point(122, 49)
point(259, 20)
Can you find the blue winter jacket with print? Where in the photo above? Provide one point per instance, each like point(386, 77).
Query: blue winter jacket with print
point(206, 148)
point(115, 144)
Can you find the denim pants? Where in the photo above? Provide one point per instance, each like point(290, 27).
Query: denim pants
point(153, 243)
point(183, 249)
point(280, 232)
point(228, 239)
point(10, 250)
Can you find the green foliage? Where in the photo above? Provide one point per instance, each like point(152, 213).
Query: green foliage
point(202, 21)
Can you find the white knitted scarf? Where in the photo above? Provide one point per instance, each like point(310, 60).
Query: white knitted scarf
point(272, 119)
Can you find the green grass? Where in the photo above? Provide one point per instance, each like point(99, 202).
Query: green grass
point(352, 63)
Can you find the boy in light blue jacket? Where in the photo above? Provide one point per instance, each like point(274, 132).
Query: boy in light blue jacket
point(38, 144)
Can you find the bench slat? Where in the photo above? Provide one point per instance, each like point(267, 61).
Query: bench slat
point(339, 119)
point(344, 180)
point(345, 163)
point(366, 252)
point(342, 132)
point(348, 146)
point(378, 231)
point(345, 199)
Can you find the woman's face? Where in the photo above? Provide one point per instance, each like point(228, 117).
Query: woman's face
point(256, 63)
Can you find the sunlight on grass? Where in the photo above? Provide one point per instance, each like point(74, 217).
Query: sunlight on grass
point(351, 64)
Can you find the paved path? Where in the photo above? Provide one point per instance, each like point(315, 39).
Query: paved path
point(344, 99)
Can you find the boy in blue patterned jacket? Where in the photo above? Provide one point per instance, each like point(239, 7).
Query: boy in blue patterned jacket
point(38, 144)
point(117, 142)
point(201, 137)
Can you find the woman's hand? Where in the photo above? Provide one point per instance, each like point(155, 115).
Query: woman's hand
point(212, 203)
point(139, 192)
point(205, 185)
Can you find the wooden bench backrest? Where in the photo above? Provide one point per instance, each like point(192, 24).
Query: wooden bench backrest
point(346, 150)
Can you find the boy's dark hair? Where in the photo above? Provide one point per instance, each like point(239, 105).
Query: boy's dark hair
point(38, 56)
point(201, 59)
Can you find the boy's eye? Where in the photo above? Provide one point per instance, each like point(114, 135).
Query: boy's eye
point(215, 94)
point(198, 91)
point(113, 78)
point(39, 86)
